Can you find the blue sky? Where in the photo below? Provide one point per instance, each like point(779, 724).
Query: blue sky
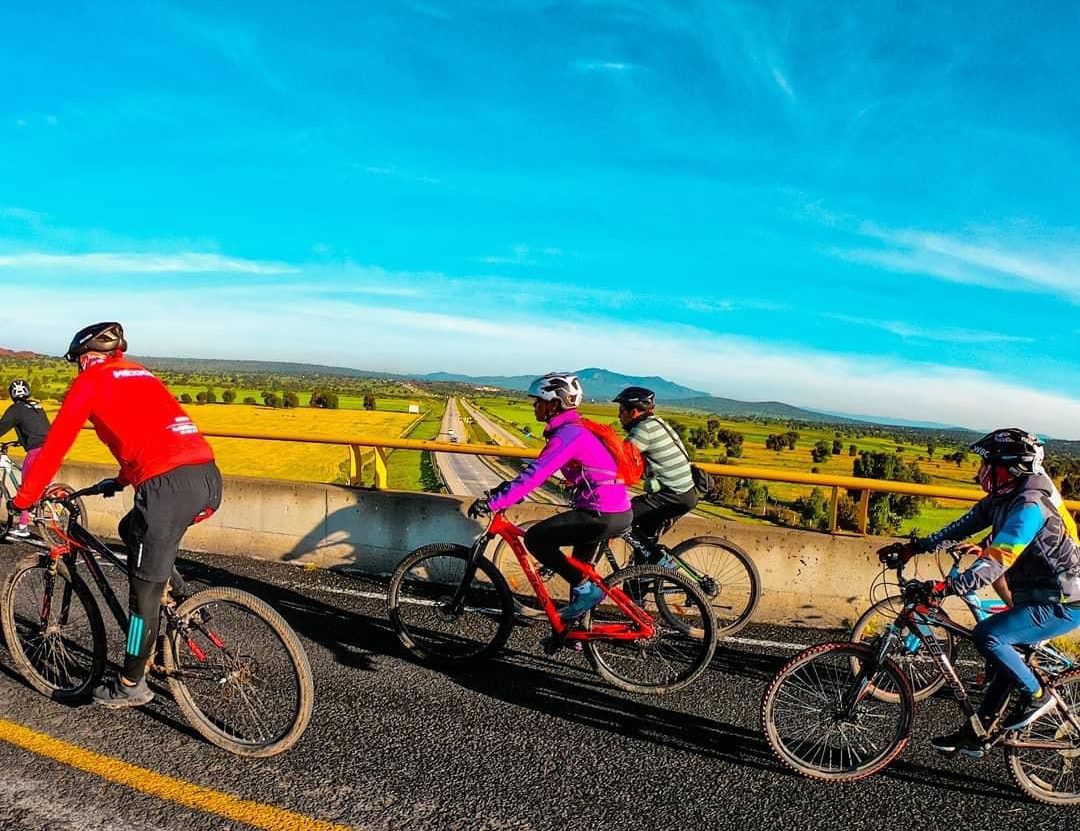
point(868, 208)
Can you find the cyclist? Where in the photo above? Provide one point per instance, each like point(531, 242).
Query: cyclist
point(669, 482)
point(1034, 544)
point(600, 502)
point(27, 417)
point(161, 454)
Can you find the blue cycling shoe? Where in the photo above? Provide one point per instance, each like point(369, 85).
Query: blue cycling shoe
point(582, 599)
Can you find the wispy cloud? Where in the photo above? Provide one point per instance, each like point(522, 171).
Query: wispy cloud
point(521, 255)
point(603, 66)
point(906, 329)
point(138, 263)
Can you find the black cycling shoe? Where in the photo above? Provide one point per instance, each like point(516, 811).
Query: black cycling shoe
point(962, 741)
point(114, 694)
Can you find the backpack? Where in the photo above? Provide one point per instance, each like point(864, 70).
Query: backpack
point(628, 461)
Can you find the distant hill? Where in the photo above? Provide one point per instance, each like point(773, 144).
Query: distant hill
point(219, 366)
point(20, 354)
point(743, 409)
point(599, 384)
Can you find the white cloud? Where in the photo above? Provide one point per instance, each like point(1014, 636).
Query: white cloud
point(905, 329)
point(21, 122)
point(386, 336)
point(603, 66)
point(139, 263)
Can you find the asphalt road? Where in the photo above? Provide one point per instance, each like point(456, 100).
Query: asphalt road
point(464, 475)
point(524, 742)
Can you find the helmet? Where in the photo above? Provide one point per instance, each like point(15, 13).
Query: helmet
point(18, 388)
point(1019, 451)
point(99, 337)
point(638, 397)
point(563, 387)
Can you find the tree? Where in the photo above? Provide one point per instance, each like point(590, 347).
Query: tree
point(791, 437)
point(757, 495)
point(369, 401)
point(837, 447)
point(201, 397)
point(270, 399)
point(930, 448)
point(185, 398)
point(290, 399)
point(250, 400)
point(211, 397)
point(852, 450)
point(229, 396)
point(888, 510)
point(814, 509)
point(820, 452)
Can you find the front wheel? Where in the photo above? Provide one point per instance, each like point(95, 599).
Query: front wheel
point(684, 638)
point(822, 720)
point(52, 517)
point(1051, 773)
point(430, 624)
point(53, 628)
point(238, 672)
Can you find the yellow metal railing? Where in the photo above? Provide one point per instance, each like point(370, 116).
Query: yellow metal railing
point(379, 445)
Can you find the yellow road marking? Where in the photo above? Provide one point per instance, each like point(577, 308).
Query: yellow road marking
point(255, 814)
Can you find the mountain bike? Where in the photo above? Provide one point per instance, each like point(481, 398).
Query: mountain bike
point(448, 603)
point(234, 666)
point(822, 718)
point(919, 665)
point(44, 515)
point(722, 571)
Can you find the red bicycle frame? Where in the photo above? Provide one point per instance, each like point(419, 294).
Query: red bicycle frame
point(641, 625)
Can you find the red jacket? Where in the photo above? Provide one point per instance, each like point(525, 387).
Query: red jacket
point(134, 415)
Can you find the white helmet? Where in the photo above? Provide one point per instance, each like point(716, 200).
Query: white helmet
point(18, 389)
point(558, 386)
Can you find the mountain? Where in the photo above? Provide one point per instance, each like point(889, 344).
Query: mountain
point(767, 409)
point(212, 366)
point(599, 384)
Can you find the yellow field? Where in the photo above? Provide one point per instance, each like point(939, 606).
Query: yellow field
point(277, 460)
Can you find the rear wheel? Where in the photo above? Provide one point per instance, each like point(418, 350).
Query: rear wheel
point(419, 598)
point(727, 577)
point(53, 628)
point(821, 720)
point(1051, 774)
point(238, 672)
point(676, 654)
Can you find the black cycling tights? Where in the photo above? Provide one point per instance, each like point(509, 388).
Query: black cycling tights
point(145, 605)
point(584, 530)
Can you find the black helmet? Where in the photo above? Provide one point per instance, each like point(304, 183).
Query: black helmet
point(19, 388)
point(99, 337)
point(638, 397)
point(1017, 450)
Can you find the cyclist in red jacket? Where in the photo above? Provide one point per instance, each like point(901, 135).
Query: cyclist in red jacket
point(161, 454)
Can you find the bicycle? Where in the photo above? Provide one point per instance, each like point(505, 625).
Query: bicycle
point(722, 571)
point(822, 719)
point(44, 514)
point(448, 604)
point(227, 677)
point(920, 666)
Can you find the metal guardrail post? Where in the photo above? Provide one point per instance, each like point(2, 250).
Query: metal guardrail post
point(380, 468)
point(834, 510)
point(356, 465)
point(864, 511)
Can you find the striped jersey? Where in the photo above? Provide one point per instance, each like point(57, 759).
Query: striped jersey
point(666, 459)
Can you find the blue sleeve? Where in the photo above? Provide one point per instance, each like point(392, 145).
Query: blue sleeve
point(959, 530)
point(1021, 526)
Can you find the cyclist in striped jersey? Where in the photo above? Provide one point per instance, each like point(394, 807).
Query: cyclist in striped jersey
point(669, 482)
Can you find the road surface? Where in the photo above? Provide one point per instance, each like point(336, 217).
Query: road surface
point(464, 475)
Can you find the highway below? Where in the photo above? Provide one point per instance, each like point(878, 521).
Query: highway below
point(523, 742)
point(464, 475)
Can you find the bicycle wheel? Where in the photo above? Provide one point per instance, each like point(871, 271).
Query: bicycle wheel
point(1049, 774)
point(53, 628)
point(727, 577)
point(238, 672)
point(614, 556)
point(418, 604)
point(809, 728)
point(921, 668)
point(46, 514)
point(676, 655)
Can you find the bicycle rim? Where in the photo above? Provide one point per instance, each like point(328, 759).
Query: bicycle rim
point(239, 672)
point(1051, 775)
point(419, 599)
point(811, 729)
point(676, 655)
point(53, 629)
point(915, 660)
point(727, 577)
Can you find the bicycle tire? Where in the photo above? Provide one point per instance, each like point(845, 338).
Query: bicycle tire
point(696, 644)
point(23, 657)
point(864, 655)
point(43, 513)
point(447, 562)
point(922, 669)
point(237, 669)
point(1052, 726)
point(731, 610)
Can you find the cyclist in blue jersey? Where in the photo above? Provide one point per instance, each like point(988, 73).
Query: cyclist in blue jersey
point(1034, 544)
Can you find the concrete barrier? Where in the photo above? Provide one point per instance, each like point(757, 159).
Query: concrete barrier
point(809, 579)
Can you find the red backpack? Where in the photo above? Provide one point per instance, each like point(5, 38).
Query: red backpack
point(628, 461)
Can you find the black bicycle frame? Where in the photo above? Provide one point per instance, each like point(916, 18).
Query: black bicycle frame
point(86, 544)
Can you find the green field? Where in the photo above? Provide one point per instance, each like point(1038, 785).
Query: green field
point(413, 470)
